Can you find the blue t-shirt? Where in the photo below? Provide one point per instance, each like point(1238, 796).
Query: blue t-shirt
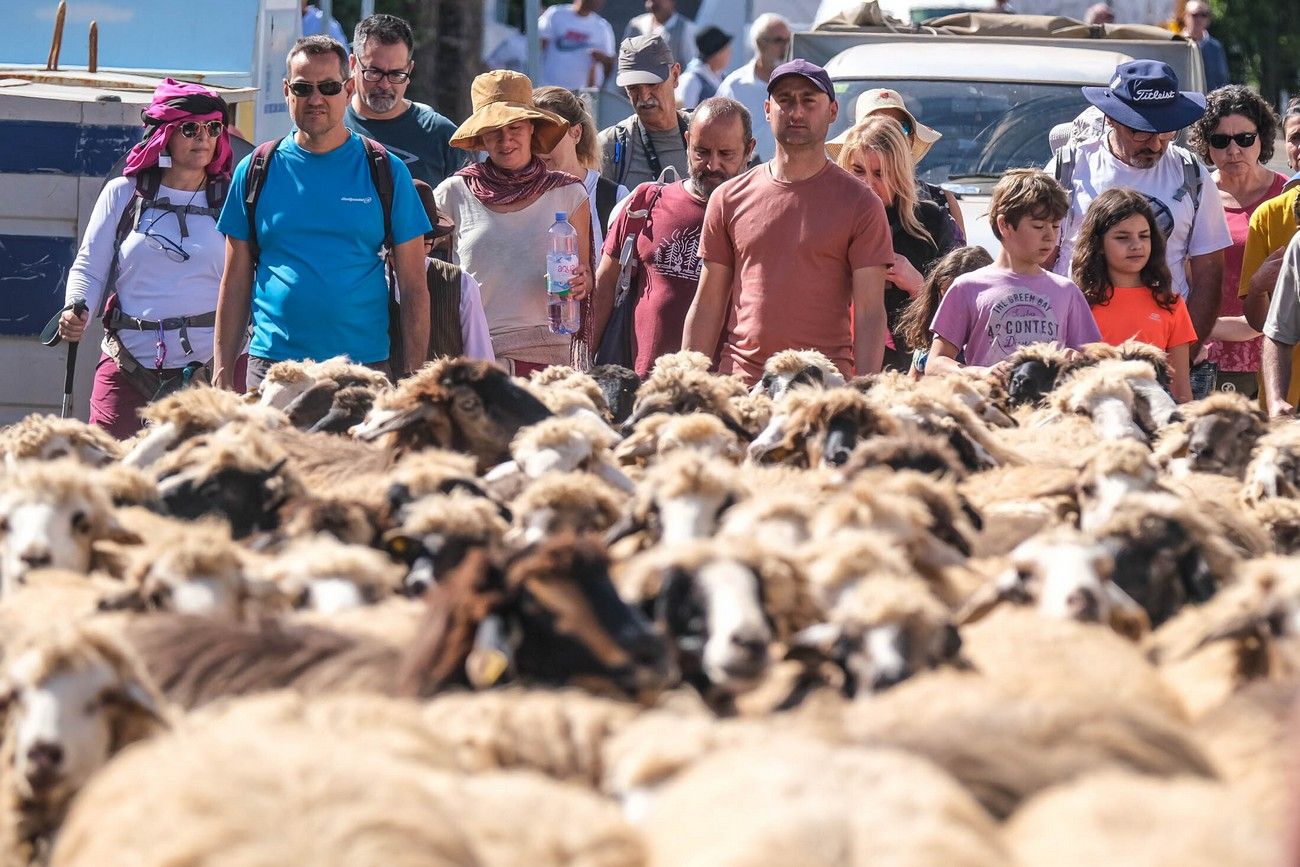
point(419, 137)
point(320, 288)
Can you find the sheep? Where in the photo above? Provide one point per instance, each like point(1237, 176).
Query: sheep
point(618, 386)
point(562, 444)
point(935, 412)
point(286, 381)
point(348, 520)
point(289, 793)
point(48, 437)
point(752, 411)
point(564, 501)
point(1274, 468)
point(760, 805)
point(815, 427)
point(1066, 576)
point(1109, 476)
point(983, 396)
point(1107, 392)
point(71, 702)
point(455, 403)
point(190, 412)
point(790, 368)
point(721, 603)
point(127, 486)
point(1153, 404)
point(681, 361)
point(326, 575)
point(680, 390)
point(1216, 435)
point(1004, 747)
point(925, 454)
point(430, 471)
point(681, 498)
point(779, 518)
point(661, 435)
point(1280, 521)
point(51, 515)
point(348, 408)
point(1015, 503)
point(437, 530)
point(1124, 819)
point(566, 391)
point(1032, 372)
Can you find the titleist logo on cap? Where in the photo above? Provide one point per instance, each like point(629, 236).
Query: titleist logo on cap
point(1154, 95)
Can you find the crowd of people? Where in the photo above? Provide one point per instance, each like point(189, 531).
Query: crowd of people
point(381, 230)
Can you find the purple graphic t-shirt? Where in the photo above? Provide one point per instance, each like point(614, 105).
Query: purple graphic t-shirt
point(991, 312)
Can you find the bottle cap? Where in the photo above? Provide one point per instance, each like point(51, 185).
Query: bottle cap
point(561, 217)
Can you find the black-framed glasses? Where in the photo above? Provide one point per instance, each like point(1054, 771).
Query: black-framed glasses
point(1220, 140)
point(167, 246)
point(304, 89)
point(396, 76)
point(190, 129)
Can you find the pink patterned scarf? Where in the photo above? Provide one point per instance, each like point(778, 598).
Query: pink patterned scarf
point(174, 103)
point(493, 185)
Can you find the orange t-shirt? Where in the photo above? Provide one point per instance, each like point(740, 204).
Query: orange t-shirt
point(1133, 313)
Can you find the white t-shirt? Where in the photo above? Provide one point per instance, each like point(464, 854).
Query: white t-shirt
point(149, 284)
point(750, 91)
point(570, 39)
point(1196, 231)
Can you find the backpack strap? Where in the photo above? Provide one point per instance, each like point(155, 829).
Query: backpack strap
point(381, 175)
point(254, 181)
point(622, 152)
point(1065, 161)
point(1193, 183)
point(606, 199)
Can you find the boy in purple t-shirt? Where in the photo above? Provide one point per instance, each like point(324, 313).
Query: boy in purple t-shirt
point(989, 313)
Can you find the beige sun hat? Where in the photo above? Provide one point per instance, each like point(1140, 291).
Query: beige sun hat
point(877, 99)
point(500, 98)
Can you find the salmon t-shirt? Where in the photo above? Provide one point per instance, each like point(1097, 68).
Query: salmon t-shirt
point(792, 248)
point(1133, 313)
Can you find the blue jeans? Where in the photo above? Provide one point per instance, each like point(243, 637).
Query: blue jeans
point(1204, 377)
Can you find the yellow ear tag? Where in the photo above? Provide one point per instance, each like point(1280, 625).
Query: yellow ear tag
point(485, 667)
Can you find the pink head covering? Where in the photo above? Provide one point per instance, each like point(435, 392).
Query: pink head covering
point(174, 103)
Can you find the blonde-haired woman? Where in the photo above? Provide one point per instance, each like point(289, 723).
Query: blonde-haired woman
point(502, 209)
point(578, 154)
point(877, 151)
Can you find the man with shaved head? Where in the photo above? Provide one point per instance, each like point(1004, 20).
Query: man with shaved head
point(663, 224)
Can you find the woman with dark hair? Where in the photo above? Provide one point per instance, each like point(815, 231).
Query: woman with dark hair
point(157, 283)
point(1235, 136)
point(502, 209)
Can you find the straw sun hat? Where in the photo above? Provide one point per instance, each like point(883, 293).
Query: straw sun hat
point(500, 98)
point(921, 137)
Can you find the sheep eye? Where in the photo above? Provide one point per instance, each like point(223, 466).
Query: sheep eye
point(467, 404)
point(4, 525)
point(80, 523)
point(1088, 490)
point(158, 599)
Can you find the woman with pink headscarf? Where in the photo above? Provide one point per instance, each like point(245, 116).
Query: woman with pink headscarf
point(152, 257)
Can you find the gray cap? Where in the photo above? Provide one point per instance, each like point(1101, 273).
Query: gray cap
point(644, 60)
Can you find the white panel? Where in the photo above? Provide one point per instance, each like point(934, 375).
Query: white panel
point(39, 205)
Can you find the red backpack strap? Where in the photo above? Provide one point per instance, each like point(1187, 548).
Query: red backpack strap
point(381, 175)
point(254, 181)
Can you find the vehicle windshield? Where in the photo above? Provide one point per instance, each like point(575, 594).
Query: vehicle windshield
point(988, 127)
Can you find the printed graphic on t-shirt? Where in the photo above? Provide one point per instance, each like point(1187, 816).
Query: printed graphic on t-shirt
point(405, 156)
point(573, 40)
point(1022, 318)
point(678, 256)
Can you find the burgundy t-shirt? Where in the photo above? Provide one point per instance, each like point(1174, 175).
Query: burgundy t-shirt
point(668, 249)
point(793, 248)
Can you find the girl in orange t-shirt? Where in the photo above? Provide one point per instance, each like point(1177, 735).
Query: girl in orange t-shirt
point(1119, 264)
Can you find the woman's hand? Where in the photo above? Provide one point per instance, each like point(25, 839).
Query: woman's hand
point(72, 325)
point(904, 275)
point(580, 284)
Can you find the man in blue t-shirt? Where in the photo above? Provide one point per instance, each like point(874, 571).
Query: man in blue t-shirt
point(381, 71)
point(318, 288)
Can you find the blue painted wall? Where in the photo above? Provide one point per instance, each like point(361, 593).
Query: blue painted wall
point(32, 273)
point(38, 147)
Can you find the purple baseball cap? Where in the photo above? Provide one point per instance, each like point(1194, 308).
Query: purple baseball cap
point(810, 71)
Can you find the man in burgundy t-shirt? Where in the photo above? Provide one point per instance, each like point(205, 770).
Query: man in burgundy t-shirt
point(795, 250)
point(718, 146)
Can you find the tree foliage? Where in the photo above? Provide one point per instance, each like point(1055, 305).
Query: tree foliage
point(1262, 38)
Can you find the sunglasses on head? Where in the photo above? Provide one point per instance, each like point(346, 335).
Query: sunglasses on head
point(1219, 140)
point(190, 129)
point(305, 89)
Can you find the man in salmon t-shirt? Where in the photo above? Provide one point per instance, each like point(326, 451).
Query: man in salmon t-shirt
point(794, 250)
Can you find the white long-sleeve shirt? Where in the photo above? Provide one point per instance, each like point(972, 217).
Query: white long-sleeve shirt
point(149, 284)
point(473, 320)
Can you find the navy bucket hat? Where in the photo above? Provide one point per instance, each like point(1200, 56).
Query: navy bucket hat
point(1144, 96)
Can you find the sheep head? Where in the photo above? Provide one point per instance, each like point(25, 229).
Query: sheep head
point(618, 386)
point(1274, 469)
point(681, 498)
point(437, 532)
point(48, 438)
point(1033, 372)
point(678, 392)
point(795, 368)
point(1221, 431)
point(559, 502)
point(1111, 474)
point(817, 428)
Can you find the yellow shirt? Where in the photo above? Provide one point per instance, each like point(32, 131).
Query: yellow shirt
point(1271, 228)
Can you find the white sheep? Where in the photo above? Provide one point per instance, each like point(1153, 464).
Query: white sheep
point(48, 437)
point(559, 445)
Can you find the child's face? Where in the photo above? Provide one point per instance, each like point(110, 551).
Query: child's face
point(1127, 245)
point(1033, 240)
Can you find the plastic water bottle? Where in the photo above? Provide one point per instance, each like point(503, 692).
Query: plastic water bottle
point(562, 265)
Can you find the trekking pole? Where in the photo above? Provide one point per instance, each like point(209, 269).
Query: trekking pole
point(50, 337)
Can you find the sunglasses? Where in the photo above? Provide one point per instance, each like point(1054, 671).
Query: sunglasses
point(166, 246)
point(304, 89)
point(1219, 140)
point(373, 73)
point(190, 129)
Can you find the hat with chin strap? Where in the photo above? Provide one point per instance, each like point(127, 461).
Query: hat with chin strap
point(1144, 95)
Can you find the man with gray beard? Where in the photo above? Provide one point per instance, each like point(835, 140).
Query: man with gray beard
point(664, 223)
point(638, 149)
point(381, 65)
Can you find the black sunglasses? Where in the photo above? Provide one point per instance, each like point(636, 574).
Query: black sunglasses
point(1219, 140)
point(304, 89)
point(166, 246)
point(374, 73)
point(190, 129)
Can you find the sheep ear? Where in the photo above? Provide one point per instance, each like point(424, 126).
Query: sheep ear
point(979, 604)
point(1253, 625)
point(131, 600)
point(815, 644)
point(624, 527)
point(1127, 617)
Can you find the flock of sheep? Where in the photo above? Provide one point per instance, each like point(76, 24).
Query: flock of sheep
point(1042, 618)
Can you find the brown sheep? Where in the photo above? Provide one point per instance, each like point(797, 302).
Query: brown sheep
point(1216, 435)
point(816, 427)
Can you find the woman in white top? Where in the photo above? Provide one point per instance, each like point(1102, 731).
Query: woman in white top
point(164, 277)
point(502, 209)
point(578, 154)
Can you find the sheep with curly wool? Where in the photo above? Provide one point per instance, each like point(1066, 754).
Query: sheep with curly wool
point(190, 412)
point(1274, 468)
point(661, 435)
point(326, 575)
point(571, 390)
point(1107, 393)
point(983, 396)
point(1016, 503)
point(287, 381)
point(1216, 435)
point(48, 437)
point(935, 412)
point(72, 700)
point(820, 427)
point(51, 515)
point(759, 805)
point(681, 498)
point(683, 389)
point(780, 518)
point(1126, 819)
point(1280, 520)
point(564, 501)
point(562, 444)
point(1032, 372)
point(1110, 475)
point(1154, 406)
point(437, 530)
point(925, 454)
point(797, 368)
